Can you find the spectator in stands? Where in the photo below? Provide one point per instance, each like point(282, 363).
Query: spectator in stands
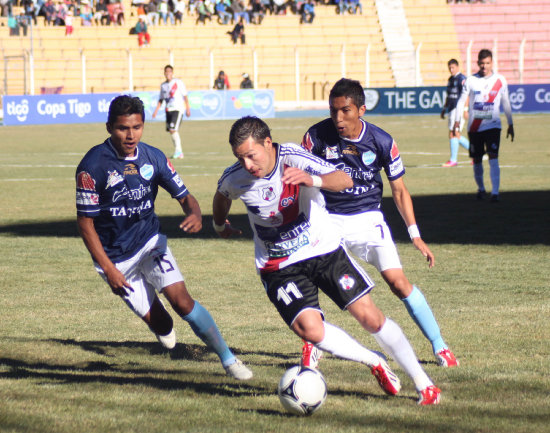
point(60, 13)
point(239, 11)
point(238, 32)
point(152, 13)
point(308, 12)
point(257, 12)
point(101, 16)
point(13, 25)
point(165, 13)
point(202, 13)
point(141, 31)
point(30, 11)
point(222, 82)
point(296, 6)
point(268, 6)
point(179, 10)
point(341, 6)
point(69, 23)
point(49, 12)
point(116, 13)
point(246, 83)
point(86, 14)
point(221, 10)
point(354, 6)
point(279, 7)
point(23, 21)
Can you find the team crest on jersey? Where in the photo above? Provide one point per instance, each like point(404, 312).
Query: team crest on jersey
point(346, 282)
point(332, 152)
point(350, 149)
point(113, 178)
point(394, 151)
point(368, 157)
point(85, 181)
point(130, 169)
point(268, 193)
point(146, 171)
point(170, 166)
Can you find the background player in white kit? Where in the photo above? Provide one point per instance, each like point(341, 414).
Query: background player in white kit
point(486, 91)
point(116, 186)
point(364, 150)
point(298, 251)
point(174, 94)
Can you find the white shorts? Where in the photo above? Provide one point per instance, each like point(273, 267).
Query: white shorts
point(368, 237)
point(149, 271)
point(451, 120)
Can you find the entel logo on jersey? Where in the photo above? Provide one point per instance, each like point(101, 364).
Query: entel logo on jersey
point(346, 282)
point(268, 193)
point(147, 171)
point(368, 157)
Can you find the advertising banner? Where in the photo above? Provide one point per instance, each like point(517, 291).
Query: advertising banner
point(88, 108)
point(528, 98)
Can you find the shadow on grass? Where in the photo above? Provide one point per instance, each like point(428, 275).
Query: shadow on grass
point(521, 218)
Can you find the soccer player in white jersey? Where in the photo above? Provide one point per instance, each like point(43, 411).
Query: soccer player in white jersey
point(486, 91)
point(298, 251)
point(174, 94)
point(116, 186)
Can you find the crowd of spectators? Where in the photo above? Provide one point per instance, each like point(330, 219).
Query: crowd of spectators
point(163, 12)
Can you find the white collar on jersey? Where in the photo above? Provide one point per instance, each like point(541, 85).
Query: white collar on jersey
point(358, 139)
point(119, 156)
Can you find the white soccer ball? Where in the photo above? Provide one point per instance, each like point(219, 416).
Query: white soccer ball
point(302, 390)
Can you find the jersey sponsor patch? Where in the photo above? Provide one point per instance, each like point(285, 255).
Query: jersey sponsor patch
point(130, 170)
point(86, 198)
point(177, 180)
point(267, 193)
point(332, 152)
point(368, 157)
point(85, 181)
point(394, 151)
point(146, 171)
point(346, 282)
point(350, 149)
point(396, 167)
point(113, 178)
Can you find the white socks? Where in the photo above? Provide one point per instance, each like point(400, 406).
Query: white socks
point(340, 344)
point(494, 170)
point(176, 139)
point(393, 341)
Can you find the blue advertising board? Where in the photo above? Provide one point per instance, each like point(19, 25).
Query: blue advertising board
point(88, 108)
point(528, 98)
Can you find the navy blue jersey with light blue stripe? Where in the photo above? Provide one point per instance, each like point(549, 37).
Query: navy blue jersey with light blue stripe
point(363, 159)
point(119, 194)
point(454, 90)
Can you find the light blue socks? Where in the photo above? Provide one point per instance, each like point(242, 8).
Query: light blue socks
point(421, 313)
point(205, 328)
point(463, 141)
point(454, 149)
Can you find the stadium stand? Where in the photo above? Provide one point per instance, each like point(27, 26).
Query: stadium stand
point(332, 45)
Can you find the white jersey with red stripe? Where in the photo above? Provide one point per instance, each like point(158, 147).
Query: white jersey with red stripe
point(290, 222)
point(486, 93)
point(172, 93)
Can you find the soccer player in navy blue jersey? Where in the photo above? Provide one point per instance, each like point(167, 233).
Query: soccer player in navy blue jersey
point(116, 186)
point(363, 150)
point(454, 90)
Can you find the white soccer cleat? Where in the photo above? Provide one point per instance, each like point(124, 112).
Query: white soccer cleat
point(168, 341)
point(238, 371)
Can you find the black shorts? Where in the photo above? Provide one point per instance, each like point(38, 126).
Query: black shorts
point(295, 288)
point(487, 141)
point(173, 120)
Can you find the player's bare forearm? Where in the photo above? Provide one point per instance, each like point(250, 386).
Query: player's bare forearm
point(221, 206)
point(115, 278)
point(192, 222)
point(403, 201)
point(334, 181)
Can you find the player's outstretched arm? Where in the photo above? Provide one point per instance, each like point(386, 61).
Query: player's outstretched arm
point(220, 210)
point(192, 222)
point(115, 278)
point(334, 181)
point(403, 201)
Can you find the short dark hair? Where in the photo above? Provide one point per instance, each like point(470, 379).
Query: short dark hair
point(124, 105)
point(248, 126)
point(483, 54)
point(350, 89)
point(168, 67)
point(452, 62)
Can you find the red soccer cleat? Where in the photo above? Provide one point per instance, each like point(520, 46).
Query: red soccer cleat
point(446, 358)
point(386, 378)
point(429, 396)
point(310, 355)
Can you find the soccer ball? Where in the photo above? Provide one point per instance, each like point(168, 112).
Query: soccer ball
point(302, 390)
